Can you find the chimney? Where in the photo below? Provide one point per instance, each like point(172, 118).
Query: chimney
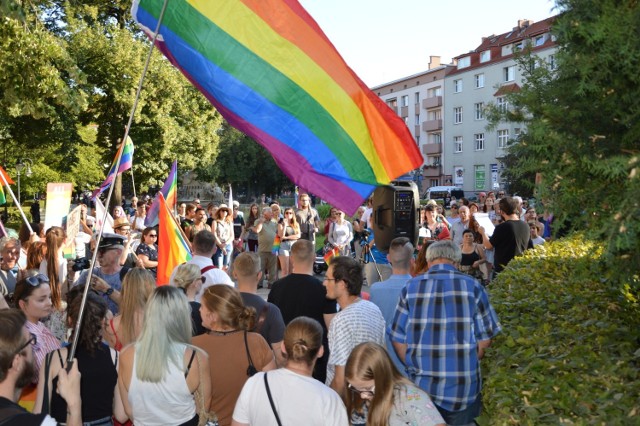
point(523, 23)
point(434, 62)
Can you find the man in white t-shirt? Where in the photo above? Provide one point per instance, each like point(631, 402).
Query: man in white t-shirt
point(204, 244)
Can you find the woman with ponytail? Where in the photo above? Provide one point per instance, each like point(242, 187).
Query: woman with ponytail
point(235, 354)
point(298, 398)
point(54, 267)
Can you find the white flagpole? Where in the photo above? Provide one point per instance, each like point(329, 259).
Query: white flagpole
point(230, 198)
point(24, 217)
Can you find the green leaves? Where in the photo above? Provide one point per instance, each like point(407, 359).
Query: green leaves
point(568, 350)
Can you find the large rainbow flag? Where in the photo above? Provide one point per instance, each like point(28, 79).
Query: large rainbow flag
point(172, 247)
point(6, 180)
point(170, 192)
point(126, 161)
point(273, 74)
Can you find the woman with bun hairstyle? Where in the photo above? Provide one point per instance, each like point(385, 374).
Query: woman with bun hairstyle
point(297, 396)
point(188, 277)
point(378, 395)
point(235, 354)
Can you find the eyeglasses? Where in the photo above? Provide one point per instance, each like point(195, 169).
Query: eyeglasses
point(500, 194)
point(152, 235)
point(36, 280)
point(454, 207)
point(362, 392)
point(33, 340)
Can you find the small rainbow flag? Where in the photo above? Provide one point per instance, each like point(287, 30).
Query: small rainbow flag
point(170, 192)
point(125, 164)
point(331, 254)
point(275, 249)
point(273, 74)
point(172, 247)
point(8, 181)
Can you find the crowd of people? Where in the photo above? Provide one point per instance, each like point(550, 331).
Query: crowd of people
point(207, 345)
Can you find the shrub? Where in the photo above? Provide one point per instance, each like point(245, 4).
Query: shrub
point(569, 350)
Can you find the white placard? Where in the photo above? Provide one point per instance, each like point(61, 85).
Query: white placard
point(484, 221)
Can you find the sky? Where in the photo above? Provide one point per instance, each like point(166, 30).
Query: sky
point(385, 40)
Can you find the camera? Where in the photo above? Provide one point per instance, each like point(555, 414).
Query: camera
point(364, 237)
point(81, 263)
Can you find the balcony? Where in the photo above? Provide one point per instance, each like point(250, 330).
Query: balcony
point(431, 171)
point(432, 148)
point(404, 111)
point(432, 125)
point(433, 102)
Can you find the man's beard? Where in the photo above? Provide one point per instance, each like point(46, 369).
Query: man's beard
point(26, 375)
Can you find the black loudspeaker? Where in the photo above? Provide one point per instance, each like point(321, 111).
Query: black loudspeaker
point(395, 213)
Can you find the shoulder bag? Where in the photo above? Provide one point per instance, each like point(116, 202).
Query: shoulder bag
point(273, 406)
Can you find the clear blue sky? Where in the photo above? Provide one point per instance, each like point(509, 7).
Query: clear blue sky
point(384, 40)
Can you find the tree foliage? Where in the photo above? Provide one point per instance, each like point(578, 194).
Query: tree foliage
point(583, 128)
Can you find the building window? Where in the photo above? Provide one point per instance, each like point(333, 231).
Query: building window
point(478, 110)
point(393, 103)
point(503, 104)
point(552, 62)
point(457, 115)
point(418, 140)
point(485, 56)
point(457, 85)
point(479, 141)
point(434, 91)
point(479, 78)
point(509, 73)
point(435, 115)
point(457, 144)
point(405, 100)
point(434, 182)
point(503, 138)
point(436, 160)
point(436, 138)
point(539, 41)
point(417, 97)
point(417, 122)
point(464, 62)
point(406, 121)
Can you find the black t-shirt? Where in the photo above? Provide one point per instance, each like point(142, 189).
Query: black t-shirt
point(238, 223)
point(303, 295)
point(273, 327)
point(509, 239)
point(11, 414)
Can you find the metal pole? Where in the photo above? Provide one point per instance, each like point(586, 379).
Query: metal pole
point(19, 188)
point(76, 334)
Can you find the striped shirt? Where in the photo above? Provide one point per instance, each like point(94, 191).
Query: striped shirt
point(442, 316)
point(46, 342)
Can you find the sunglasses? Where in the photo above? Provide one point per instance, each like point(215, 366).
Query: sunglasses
point(152, 235)
point(454, 207)
point(33, 340)
point(36, 280)
point(203, 279)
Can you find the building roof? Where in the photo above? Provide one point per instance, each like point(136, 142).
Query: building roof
point(494, 43)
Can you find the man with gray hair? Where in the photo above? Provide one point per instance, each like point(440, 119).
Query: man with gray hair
point(442, 326)
point(385, 294)
point(458, 227)
point(10, 253)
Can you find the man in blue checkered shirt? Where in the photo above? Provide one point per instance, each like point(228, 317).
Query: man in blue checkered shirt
point(442, 325)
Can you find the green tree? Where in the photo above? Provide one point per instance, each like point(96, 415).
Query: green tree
point(583, 127)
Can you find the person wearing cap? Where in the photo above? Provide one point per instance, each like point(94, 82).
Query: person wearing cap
point(128, 259)
point(107, 277)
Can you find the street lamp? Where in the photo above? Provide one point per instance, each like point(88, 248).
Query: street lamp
point(19, 166)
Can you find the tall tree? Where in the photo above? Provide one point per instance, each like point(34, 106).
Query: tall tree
point(583, 126)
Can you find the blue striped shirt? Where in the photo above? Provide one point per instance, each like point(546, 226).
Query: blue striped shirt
point(442, 316)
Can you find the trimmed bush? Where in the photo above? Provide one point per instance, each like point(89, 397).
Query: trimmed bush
point(569, 350)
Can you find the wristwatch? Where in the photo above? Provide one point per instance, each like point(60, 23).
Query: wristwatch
point(109, 292)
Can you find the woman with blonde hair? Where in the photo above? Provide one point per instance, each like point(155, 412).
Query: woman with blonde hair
point(379, 394)
point(54, 267)
point(296, 395)
point(137, 286)
point(289, 233)
point(159, 374)
point(235, 354)
point(189, 279)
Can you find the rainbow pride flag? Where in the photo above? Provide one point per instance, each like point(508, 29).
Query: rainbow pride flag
point(269, 69)
point(5, 181)
point(331, 254)
point(172, 247)
point(125, 164)
point(170, 192)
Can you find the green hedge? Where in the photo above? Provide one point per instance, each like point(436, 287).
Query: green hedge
point(569, 351)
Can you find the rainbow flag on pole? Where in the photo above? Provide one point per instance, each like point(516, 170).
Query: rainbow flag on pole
point(126, 161)
point(330, 254)
point(172, 247)
point(5, 181)
point(269, 69)
point(170, 192)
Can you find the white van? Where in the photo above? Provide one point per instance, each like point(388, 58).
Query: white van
point(443, 194)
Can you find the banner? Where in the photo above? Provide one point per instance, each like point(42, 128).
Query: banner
point(58, 204)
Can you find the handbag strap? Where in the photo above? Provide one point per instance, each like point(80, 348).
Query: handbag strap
point(45, 395)
point(193, 354)
point(273, 406)
point(251, 370)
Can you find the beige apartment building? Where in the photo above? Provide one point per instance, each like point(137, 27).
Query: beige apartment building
point(419, 101)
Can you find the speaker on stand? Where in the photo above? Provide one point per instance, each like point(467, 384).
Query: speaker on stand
point(395, 213)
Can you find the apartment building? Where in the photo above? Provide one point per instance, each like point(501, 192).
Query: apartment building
point(471, 153)
point(419, 101)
